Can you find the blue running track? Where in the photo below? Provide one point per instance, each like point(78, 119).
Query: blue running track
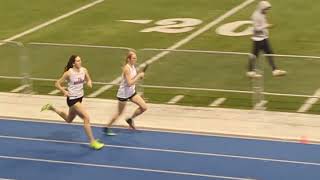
point(31, 150)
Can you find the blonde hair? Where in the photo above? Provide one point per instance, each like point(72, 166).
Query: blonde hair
point(129, 55)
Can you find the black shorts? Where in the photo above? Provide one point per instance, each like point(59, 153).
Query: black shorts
point(126, 99)
point(72, 102)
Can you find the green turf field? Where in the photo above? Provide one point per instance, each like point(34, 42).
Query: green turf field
point(201, 77)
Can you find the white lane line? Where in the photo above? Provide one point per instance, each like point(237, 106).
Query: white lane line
point(56, 91)
point(260, 105)
point(169, 151)
point(309, 102)
point(52, 21)
point(293, 141)
point(218, 102)
point(180, 43)
point(79, 45)
point(175, 99)
point(122, 167)
point(106, 87)
point(20, 88)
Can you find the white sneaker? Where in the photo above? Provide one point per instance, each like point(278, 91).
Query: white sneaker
point(279, 72)
point(253, 74)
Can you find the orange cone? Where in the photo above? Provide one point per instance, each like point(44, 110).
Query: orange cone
point(304, 140)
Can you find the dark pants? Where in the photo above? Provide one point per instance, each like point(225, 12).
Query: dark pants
point(257, 47)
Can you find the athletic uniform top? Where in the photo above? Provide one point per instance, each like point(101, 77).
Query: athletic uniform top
point(75, 84)
point(260, 24)
point(126, 91)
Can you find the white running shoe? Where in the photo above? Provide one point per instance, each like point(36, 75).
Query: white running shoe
point(253, 74)
point(279, 72)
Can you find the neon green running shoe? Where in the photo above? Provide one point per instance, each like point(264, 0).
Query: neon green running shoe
point(46, 107)
point(96, 144)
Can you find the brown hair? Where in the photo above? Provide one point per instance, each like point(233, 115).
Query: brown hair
point(70, 63)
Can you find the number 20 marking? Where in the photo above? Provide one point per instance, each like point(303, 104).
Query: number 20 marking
point(175, 25)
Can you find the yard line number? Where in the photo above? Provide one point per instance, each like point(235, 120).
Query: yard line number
point(182, 25)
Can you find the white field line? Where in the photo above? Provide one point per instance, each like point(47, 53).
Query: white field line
point(6, 179)
point(19, 78)
point(80, 45)
point(106, 87)
point(122, 167)
point(177, 87)
point(52, 21)
point(292, 56)
point(217, 102)
point(260, 105)
point(181, 42)
point(169, 151)
point(20, 88)
point(56, 91)
point(20, 44)
point(175, 99)
point(170, 50)
point(197, 51)
point(309, 102)
point(137, 21)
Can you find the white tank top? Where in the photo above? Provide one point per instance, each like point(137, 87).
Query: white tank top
point(125, 91)
point(75, 84)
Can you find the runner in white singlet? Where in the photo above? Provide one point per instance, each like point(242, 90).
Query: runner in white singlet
point(127, 92)
point(76, 76)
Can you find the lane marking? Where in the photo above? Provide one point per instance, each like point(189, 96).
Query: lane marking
point(20, 88)
point(168, 151)
point(175, 99)
point(218, 102)
point(310, 102)
point(122, 167)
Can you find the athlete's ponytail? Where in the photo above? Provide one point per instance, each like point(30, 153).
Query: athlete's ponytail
point(70, 63)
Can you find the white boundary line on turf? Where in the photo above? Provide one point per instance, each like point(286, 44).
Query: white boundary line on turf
point(79, 45)
point(169, 151)
point(243, 137)
point(292, 56)
point(309, 102)
point(111, 84)
point(197, 51)
point(218, 102)
point(260, 105)
point(180, 43)
point(52, 21)
point(6, 179)
point(53, 92)
point(123, 167)
point(20, 88)
point(175, 99)
point(171, 50)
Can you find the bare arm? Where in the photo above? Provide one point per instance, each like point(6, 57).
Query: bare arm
point(60, 81)
point(131, 80)
point(88, 78)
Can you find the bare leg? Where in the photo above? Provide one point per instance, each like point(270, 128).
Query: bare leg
point(68, 117)
point(121, 106)
point(82, 113)
point(137, 99)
